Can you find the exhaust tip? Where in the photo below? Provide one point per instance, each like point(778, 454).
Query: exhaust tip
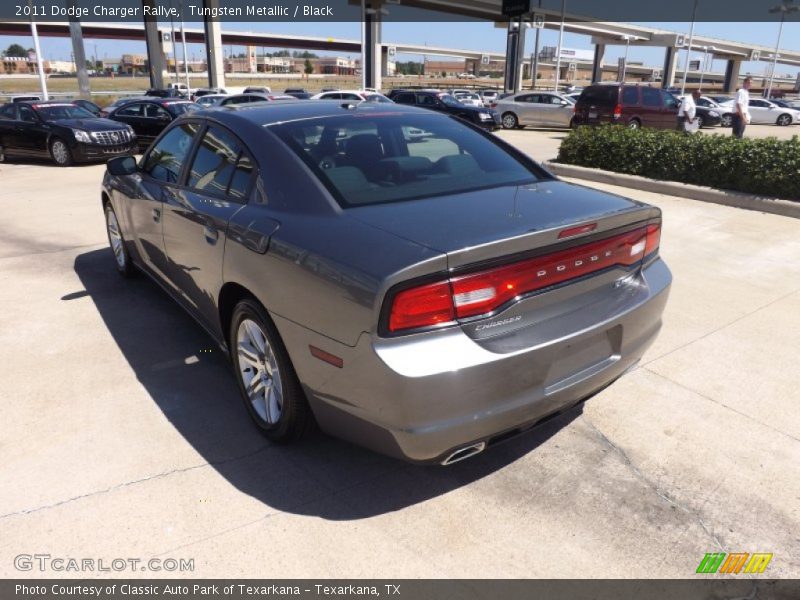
point(464, 453)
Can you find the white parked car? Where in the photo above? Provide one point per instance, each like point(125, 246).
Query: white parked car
point(545, 109)
point(467, 97)
point(357, 95)
point(210, 100)
point(764, 112)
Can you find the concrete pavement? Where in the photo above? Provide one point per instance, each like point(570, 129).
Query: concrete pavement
point(123, 434)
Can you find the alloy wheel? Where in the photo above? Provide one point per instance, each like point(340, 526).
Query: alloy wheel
point(60, 152)
point(259, 373)
point(115, 237)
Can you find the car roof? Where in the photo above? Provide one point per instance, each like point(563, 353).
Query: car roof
point(297, 110)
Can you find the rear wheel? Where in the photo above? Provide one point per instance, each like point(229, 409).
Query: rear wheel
point(784, 120)
point(117, 242)
point(510, 121)
point(265, 374)
point(634, 124)
point(60, 152)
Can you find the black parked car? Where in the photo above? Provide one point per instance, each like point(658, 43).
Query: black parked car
point(149, 117)
point(299, 93)
point(445, 103)
point(90, 106)
point(62, 131)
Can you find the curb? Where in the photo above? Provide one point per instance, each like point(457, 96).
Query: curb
point(774, 206)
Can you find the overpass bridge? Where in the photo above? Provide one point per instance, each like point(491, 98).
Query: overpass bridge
point(375, 51)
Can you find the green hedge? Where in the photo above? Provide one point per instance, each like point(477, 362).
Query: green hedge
point(765, 166)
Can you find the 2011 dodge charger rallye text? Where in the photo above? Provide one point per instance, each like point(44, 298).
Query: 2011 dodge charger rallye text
point(404, 278)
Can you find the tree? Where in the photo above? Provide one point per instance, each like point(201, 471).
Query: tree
point(16, 51)
point(308, 67)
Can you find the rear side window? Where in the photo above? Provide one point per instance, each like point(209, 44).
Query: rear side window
point(600, 94)
point(166, 159)
point(26, 114)
point(651, 97)
point(9, 111)
point(425, 100)
point(214, 162)
point(240, 181)
point(366, 160)
point(630, 96)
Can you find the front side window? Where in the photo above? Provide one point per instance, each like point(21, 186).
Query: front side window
point(366, 160)
point(155, 112)
point(404, 98)
point(26, 114)
point(214, 163)
point(132, 110)
point(166, 159)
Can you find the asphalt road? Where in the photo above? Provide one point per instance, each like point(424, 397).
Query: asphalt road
point(123, 434)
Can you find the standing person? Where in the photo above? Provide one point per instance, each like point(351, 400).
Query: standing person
point(687, 111)
point(741, 118)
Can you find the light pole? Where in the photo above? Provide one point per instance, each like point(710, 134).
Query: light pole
point(689, 49)
point(627, 39)
point(785, 7)
point(560, 41)
point(703, 65)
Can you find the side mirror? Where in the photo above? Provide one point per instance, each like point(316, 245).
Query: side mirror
point(564, 103)
point(121, 165)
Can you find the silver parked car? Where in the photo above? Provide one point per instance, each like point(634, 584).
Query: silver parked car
point(424, 299)
point(542, 109)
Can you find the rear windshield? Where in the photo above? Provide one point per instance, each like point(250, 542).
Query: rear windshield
point(600, 94)
point(368, 159)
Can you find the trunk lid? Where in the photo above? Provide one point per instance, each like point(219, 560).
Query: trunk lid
point(486, 224)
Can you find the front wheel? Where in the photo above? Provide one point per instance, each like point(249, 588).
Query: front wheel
point(700, 122)
point(784, 120)
point(634, 124)
point(727, 120)
point(510, 121)
point(60, 152)
point(265, 374)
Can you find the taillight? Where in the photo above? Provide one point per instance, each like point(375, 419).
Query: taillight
point(485, 291)
point(618, 111)
point(423, 306)
point(653, 238)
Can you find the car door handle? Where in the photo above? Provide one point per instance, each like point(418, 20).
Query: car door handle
point(156, 214)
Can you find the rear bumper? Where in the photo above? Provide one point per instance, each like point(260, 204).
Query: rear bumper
point(420, 398)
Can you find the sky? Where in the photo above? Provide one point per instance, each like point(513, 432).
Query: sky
point(477, 36)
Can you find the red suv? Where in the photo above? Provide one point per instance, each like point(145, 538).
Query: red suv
point(631, 105)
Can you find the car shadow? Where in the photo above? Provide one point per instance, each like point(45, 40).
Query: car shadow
point(190, 381)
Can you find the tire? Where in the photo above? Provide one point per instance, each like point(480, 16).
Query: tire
point(122, 258)
point(276, 403)
point(2, 154)
point(700, 122)
point(784, 120)
point(727, 120)
point(510, 121)
point(634, 124)
point(60, 153)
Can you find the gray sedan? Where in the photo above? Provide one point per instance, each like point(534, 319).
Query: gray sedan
point(541, 109)
point(423, 297)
